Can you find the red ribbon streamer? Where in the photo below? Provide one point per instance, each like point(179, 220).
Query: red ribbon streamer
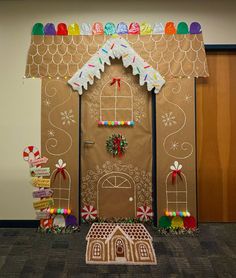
point(115, 80)
point(60, 170)
point(174, 175)
point(116, 142)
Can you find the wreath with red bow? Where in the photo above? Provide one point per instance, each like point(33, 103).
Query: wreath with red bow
point(116, 144)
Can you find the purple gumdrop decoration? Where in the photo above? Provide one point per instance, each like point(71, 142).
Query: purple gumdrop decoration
point(71, 220)
point(195, 28)
point(49, 29)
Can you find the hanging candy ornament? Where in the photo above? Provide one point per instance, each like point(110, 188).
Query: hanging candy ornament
point(134, 28)
point(116, 144)
point(122, 28)
point(97, 28)
point(145, 28)
point(144, 213)
point(158, 29)
point(62, 29)
point(86, 29)
point(73, 29)
point(110, 28)
point(46, 223)
point(49, 29)
point(88, 213)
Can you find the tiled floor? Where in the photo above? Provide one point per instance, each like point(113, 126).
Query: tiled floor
point(25, 253)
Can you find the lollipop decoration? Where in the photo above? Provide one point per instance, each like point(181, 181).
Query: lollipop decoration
point(89, 213)
point(144, 213)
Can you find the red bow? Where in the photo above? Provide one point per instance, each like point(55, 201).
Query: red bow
point(116, 142)
point(60, 170)
point(114, 80)
point(174, 175)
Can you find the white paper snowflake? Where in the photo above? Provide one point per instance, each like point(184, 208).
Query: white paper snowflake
point(168, 119)
point(47, 102)
point(174, 146)
point(67, 117)
point(51, 133)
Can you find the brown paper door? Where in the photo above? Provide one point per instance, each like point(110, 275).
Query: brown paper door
point(116, 186)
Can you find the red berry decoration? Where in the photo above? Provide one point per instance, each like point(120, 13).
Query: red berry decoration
point(190, 222)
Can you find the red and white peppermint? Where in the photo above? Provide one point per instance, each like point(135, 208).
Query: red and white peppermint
point(144, 213)
point(88, 212)
point(31, 153)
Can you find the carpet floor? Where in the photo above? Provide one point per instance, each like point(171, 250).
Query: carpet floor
point(25, 253)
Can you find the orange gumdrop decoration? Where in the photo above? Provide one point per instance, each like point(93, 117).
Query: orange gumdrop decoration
point(170, 28)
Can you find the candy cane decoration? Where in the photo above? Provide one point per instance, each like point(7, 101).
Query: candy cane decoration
point(31, 153)
point(89, 213)
point(144, 213)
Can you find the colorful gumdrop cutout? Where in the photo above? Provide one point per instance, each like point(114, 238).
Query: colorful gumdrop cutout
point(158, 28)
point(170, 28)
point(164, 222)
point(71, 220)
point(97, 28)
point(38, 29)
point(177, 222)
point(59, 221)
point(62, 29)
point(73, 29)
point(122, 28)
point(145, 28)
point(195, 28)
point(134, 28)
point(110, 28)
point(190, 222)
point(49, 29)
point(182, 28)
point(86, 29)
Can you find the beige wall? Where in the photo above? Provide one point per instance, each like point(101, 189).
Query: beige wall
point(20, 102)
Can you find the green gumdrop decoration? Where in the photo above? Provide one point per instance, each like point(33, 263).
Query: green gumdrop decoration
point(164, 222)
point(38, 29)
point(182, 28)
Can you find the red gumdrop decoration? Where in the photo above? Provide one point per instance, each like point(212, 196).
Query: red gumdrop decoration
point(62, 29)
point(190, 222)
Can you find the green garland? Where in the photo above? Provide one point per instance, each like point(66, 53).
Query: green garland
point(116, 144)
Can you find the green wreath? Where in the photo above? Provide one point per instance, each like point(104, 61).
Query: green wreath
point(116, 144)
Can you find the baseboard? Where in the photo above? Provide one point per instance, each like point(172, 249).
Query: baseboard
point(19, 223)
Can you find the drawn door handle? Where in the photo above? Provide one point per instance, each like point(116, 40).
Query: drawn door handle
point(88, 142)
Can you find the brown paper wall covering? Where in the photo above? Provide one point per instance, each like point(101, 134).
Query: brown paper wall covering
point(59, 140)
point(171, 55)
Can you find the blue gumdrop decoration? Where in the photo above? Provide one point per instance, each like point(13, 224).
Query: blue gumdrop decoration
point(122, 28)
point(195, 28)
point(49, 29)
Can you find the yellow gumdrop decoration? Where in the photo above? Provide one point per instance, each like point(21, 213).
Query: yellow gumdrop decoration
point(177, 222)
point(73, 29)
point(145, 29)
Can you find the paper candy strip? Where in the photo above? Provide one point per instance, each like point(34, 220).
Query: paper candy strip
point(42, 193)
point(40, 182)
point(116, 123)
point(42, 215)
point(39, 161)
point(42, 204)
point(113, 48)
point(40, 172)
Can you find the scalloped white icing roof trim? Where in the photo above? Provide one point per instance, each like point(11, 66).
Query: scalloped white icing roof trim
point(116, 48)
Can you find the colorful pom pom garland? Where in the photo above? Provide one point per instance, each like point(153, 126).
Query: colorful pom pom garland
point(59, 211)
point(178, 213)
point(116, 123)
